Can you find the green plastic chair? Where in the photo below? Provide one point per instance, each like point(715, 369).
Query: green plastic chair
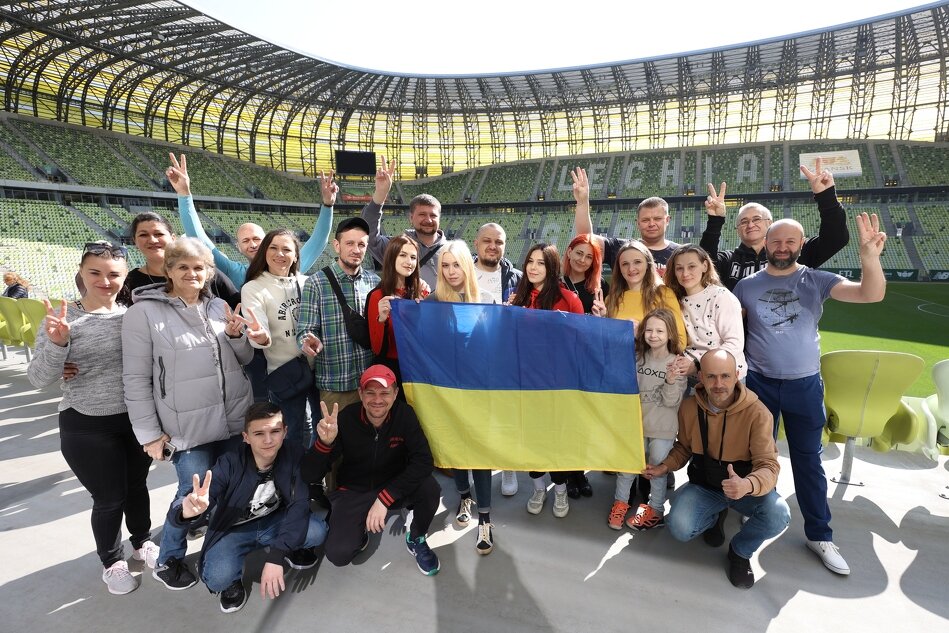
point(34, 312)
point(17, 325)
point(862, 391)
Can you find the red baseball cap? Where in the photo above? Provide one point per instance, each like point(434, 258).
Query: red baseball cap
point(380, 373)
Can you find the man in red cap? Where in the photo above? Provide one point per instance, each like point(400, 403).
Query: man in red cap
point(387, 464)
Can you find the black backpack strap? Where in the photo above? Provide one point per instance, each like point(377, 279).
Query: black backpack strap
point(337, 290)
point(430, 254)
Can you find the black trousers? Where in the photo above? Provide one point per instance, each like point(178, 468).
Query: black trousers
point(109, 462)
point(347, 519)
point(558, 477)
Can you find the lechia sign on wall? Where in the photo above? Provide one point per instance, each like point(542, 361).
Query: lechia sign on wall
point(841, 163)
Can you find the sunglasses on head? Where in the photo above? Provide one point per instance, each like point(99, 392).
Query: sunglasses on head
point(103, 248)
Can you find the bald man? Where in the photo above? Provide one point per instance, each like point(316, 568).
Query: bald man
point(752, 224)
point(496, 274)
point(783, 303)
point(725, 436)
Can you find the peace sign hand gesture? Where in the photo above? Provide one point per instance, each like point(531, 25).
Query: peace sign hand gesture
point(581, 186)
point(328, 188)
point(599, 307)
point(177, 175)
point(715, 202)
point(57, 328)
point(199, 499)
point(327, 428)
point(820, 179)
point(872, 239)
point(384, 177)
point(255, 331)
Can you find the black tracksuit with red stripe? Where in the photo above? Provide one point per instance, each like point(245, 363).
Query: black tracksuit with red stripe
point(394, 459)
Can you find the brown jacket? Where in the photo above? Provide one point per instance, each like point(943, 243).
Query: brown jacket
point(748, 427)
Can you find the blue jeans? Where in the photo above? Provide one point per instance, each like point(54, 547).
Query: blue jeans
point(801, 403)
point(656, 451)
point(224, 561)
point(200, 459)
point(256, 371)
point(695, 509)
point(482, 482)
point(299, 428)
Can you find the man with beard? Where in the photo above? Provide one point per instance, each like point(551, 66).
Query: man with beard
point(783, 303)
point(496, 274)
point(424, 213)
point(753, 222)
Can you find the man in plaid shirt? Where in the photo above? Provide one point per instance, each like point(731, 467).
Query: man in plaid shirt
point(321, 331)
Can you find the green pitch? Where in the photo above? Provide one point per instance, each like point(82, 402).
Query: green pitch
point(914, 318)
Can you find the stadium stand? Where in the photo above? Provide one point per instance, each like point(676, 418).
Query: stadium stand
point(23, 149)
point(925, 165)
point(741, 168)
point(512, 183)
point(206, 177)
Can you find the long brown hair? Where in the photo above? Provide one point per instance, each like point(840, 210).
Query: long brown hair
point(259, 264)
point(389, 276)
point(674, 345)
point(649, 289)
point(550, 293)
point(709, 277)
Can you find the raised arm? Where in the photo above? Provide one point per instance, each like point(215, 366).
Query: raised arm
point(832, 235)
point(715, 207)
point(314, 246)
point(372, 212)
point(582, 222)
point(872, 285)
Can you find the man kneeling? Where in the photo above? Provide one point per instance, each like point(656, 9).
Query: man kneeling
point(387, 464)
point(726, 431)
point(256, 499)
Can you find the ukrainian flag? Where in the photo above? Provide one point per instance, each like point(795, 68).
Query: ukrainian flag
point(504, 387)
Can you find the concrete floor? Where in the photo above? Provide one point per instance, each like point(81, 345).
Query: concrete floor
point(545, 574)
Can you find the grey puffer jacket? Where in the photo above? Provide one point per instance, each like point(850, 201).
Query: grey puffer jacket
point(182, 373)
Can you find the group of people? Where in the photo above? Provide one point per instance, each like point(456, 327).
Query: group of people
point(255, 394)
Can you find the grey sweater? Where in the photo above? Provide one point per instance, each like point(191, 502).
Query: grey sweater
point(95, 345)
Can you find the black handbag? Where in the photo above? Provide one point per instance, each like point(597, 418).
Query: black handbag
point(356, 324)
point(708, 472)
point(291, 379)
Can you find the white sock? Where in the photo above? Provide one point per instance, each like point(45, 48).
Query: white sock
point(560, 488)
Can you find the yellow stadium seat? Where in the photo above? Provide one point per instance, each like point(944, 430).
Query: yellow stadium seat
point(862, 391)
point(16, 324)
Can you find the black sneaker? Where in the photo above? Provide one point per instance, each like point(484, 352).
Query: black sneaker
point(365, 541)
point(586, 490)
point(175, 575)
point(318, 496)
point(425, 558)
point(573, 490)
point(197, 533)
point(739, 570)
point(234, 597)
point(485, 544)
point(715, 535)
point(304, 558)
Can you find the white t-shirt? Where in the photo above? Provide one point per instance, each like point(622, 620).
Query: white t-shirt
point(489, 282)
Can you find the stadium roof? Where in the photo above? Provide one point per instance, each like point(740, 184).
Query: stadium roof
point(142, 61)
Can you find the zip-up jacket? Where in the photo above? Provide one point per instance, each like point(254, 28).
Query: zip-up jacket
point(832, 236)
point(182, 373)
point(233, 483)
point(510, 277)
point(394, 459)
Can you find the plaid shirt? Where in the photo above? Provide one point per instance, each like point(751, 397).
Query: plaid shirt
point(342, 361)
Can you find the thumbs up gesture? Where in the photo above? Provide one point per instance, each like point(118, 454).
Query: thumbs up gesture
point(735, 487)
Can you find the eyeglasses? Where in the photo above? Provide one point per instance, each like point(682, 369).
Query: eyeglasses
point(755, 220)
point(103, 248)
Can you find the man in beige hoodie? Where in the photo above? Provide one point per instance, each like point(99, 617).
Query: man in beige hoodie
point(725, 437)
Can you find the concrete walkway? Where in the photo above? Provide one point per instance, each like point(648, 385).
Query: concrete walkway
point(545, 574)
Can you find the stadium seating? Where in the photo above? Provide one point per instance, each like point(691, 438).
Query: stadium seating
point(776, 169)
point(207, 178)
point(514, 183)
point(862, 393)
point(925, 165)
point(885, 158)
point(730, 164)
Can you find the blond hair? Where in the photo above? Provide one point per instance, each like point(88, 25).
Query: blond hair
point(443, 291)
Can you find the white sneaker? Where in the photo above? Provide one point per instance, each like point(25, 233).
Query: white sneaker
point(463, 518)
point(148, 552)
point(536, 503)
point(118, 578)
point(561, 505)
point(830, 556)
point(508, 483)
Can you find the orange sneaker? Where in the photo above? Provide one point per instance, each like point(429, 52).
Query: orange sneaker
point(645, 518)
point(617, 514)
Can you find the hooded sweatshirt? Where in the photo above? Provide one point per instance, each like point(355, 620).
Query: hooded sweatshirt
point(748, 436)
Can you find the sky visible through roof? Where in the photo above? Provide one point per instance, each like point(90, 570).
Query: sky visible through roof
point(497, 36)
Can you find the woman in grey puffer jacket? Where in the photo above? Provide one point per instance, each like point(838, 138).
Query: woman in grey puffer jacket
point(185, 387)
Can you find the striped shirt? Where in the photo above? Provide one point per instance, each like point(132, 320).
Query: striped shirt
point(341, 363)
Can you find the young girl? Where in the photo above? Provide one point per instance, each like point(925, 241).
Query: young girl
point(457, 283)
point(712, 313)
point(540, 288)
point(582, 274)
point(661, 385)
point(400, 280)
point(637, 289)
